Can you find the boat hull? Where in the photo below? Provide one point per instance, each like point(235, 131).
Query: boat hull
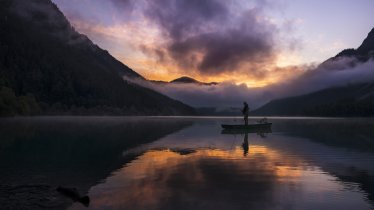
point(243, 129)
point(247, 127)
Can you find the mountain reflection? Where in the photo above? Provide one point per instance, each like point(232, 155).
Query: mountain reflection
point(39, 154)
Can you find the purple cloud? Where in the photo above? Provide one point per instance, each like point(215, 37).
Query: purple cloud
point(213, 36)
point(209, 37)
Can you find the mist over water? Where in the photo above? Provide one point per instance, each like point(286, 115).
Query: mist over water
point(307, 79)
point(187, 163)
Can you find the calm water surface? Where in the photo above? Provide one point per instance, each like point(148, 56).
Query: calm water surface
point(187, 163)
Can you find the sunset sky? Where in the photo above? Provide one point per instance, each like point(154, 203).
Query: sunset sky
point(252, 42)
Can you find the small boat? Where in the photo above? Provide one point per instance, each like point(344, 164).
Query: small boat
point(247, 127)
point(258, 130)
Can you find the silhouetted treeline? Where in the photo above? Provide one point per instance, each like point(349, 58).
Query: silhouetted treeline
point(10, 104)
point(345, 108)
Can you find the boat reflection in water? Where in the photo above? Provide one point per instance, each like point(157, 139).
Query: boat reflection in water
point(259, 130)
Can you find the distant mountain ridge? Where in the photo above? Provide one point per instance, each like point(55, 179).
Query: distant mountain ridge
point(349, 100)
point(47, 67)
point(185, 80)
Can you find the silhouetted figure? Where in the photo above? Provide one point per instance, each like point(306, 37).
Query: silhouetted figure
point(245, 145)
point(245, 112)
point(73, 194)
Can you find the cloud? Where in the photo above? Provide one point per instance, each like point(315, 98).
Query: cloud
point(180, 19)
point(223, 95)
point(228, 94)
point(124, 4)
point(212, 39)
point(213, 36)
point(340, 72)
point(192, 37)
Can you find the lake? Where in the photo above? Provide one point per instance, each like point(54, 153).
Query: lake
point(186, 163)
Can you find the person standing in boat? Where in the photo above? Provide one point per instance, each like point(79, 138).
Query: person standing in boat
point(245, 112)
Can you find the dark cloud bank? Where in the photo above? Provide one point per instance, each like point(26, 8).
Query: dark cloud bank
point(213, 36)
point(208, 37)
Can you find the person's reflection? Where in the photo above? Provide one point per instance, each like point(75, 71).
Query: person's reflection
point(245, 145)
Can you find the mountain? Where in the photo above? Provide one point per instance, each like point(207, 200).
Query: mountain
point(47, 67)
point(185, 80)
point(363, 53)
point(350, 100)
point(190, 80)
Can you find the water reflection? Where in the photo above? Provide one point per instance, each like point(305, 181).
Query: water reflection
point(245, 145)
point(198, 168)
point(218, 179)
point(37, 155)
point(171, 163)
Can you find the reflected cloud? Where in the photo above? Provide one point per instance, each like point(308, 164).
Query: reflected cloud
point(198, 168)
point(211, 179)
point(190, 166)
point(165, 179)
point(39, 154)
